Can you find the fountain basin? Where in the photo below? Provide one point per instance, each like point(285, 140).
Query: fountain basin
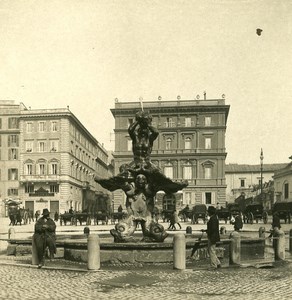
point(75, 249)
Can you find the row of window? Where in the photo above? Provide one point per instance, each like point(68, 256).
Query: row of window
point(41, 169)
point(82, 140)
point(12, 140)
point(13, 123)
point(52, 169)
point(42, 146)
point(188, 122)
point(243, 182)
point(207, 198)
point(29, 189)
point(82, 155)
point(188, 172)
point(169, 144)
point(42, 126)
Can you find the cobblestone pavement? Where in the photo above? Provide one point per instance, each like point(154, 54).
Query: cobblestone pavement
point(72, 281)
point(23, 282)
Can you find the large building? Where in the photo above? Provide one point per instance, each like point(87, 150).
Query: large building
point(244, 179)
point(49, 159)
point(190, 145)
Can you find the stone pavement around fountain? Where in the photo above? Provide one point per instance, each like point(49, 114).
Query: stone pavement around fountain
point(61, 279)
point(28, 282)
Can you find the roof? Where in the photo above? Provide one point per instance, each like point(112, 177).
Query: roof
point(237, 168)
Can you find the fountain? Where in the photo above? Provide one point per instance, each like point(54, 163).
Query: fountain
point(140, 180)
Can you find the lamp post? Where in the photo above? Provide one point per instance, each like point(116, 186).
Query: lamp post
point(261, 158)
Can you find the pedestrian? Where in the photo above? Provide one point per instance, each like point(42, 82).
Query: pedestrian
point(25, 216)
point(171, 222)
point(56, 217)
point(176, 219)
point(45, 237)
point(213, 237)
point(36, 215)
point(237, 222)
point(276, 225)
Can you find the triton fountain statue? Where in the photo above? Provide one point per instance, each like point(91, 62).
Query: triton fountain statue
point(140, 180)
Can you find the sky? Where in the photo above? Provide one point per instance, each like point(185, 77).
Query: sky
point(86, 53)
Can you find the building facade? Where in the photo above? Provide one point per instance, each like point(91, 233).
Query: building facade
point(9, 151)
point(49, 160)
point(283, 183)
point(243, 179)
point(190, 146)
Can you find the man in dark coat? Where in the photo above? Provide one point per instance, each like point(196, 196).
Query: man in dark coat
point(45, 236)
point(237, 222)
point(276, 223)
point(213, 237)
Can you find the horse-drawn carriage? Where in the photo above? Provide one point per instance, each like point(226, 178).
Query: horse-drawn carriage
point(117, 216)
point(15, 213)
point(199, 211)
point(74, 218)
point(223, 214)
point(185, 214)
point(66, 218)
point(284, 210)
point(255, 212)
point(102, 216)
point(166, 215)
point(252, 209)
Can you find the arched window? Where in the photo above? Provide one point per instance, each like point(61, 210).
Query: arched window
point(28, 167)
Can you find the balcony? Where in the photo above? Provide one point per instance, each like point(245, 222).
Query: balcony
point(175, 152)
point(39, 178)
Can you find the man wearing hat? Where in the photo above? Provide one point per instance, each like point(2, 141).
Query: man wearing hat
point(213, 237)
point(45, 236)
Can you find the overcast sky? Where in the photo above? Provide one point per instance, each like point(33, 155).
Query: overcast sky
point(86, 53)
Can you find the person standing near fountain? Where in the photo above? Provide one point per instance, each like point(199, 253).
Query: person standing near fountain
point(213, 237)
point(45, 236)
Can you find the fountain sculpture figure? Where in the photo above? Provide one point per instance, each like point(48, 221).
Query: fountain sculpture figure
point(140, 180)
